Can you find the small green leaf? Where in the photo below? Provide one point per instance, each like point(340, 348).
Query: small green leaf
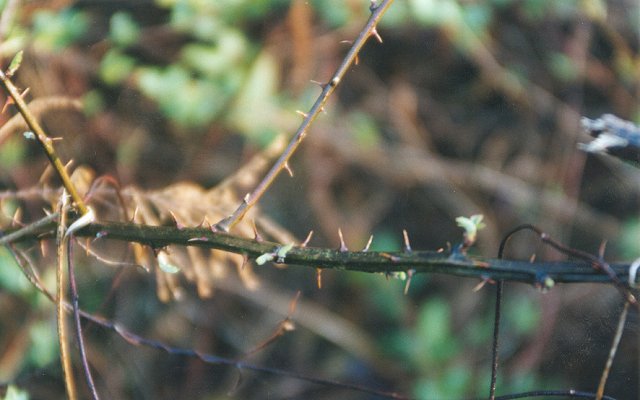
point(15, 64)
point(471, 225)
point(165, 265)
point(282, 252)
point(265, 258)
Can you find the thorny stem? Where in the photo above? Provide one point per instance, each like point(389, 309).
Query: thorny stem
point(596, 262)
point(135, 339)
point(449, 263)
point(377, 11)
point(45, 142)
point(78, 327)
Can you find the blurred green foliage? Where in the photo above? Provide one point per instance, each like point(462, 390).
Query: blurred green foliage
point(224, 74)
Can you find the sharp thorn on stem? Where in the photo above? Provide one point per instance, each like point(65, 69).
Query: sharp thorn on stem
point(374, 33)
point(307, 240)
point(407, 245)
point(410, 274)
point(602, 249)
point(288, 168)
point(343, 247)
point(245, 260)
point(322, 85)
point(135, 214)
point(302, 114)
point(319, 277)
point(256, 235)
point(178, 224)
point(7, 103)
point(366, 247)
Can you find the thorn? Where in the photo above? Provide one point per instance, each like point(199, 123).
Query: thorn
point(343, 246)
point(7, 103)
point(245, 260)
point(84, 220)
point(322, 85)
point(24, 92)
point(366, 247)
point(17, 216)
point(179, 225)
point(135, 214)
point(394, 259)
point(256, 236)
point(346, 42)
point(202, 223)
point(245, 199)
point(479, 286)
point(602, 249)
point(374, 33)
point(307, 240)
point(409, 276)
point(302, 114)
point(213, 228)
point(407, 245)
point(43, 249)
point(198, 239)
point(288, 168)
point(293, 304)
point(322, 110)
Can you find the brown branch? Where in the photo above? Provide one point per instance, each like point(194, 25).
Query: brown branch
point(41, 137)
point(327, 89)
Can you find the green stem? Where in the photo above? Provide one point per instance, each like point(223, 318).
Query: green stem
point(539, 273)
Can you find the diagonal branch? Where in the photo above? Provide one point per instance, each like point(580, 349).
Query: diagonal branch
point(327, 89)
point(45, 141)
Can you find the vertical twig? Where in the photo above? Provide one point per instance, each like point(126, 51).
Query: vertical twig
point(377, 10)
point(496, 336)
point(45, 142)
point(78, 326)
point(612, 352)
point(65, 358)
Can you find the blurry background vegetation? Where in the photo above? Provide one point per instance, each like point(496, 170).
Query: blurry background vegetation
point(467, 107)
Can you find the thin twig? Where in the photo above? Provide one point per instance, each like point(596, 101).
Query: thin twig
point(377, 11)
point(612, 352)
point(78, 327)
point(572, 394)
point(65, 354)
point(596, 261)
point(496, 342)
point(45, 142)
